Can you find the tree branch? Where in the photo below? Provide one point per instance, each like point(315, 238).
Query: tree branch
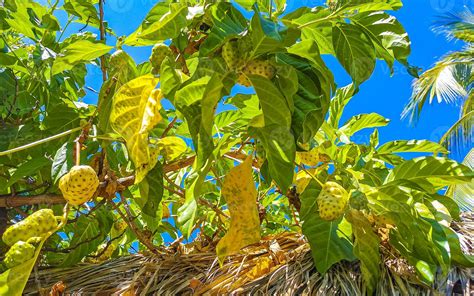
point(15, 201)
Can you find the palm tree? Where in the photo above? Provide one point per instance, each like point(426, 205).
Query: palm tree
point(450, 80)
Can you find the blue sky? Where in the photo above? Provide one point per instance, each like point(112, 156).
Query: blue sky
point(382, 93)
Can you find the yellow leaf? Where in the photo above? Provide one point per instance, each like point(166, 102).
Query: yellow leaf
point(310, 158)
point(302, 179)
point(171, 147)
point(241, 197)
point(135, 111)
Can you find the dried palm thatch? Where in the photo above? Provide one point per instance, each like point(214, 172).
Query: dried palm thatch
point(281, 265)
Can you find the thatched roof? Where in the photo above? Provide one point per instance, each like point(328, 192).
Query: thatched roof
point(279, 265)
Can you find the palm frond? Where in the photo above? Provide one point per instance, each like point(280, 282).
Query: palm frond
point(446, 81)
point(457, 25)
point(460, 134)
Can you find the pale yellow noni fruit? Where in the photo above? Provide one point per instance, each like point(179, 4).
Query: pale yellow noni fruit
point(332, 201)
point(79, 185)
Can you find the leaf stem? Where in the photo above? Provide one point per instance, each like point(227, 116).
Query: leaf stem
point(42, 141)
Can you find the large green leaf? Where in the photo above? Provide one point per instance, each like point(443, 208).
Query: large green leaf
point(277, 6)
point(197, 101)
point(366, 248)
point(420, 241)
point(77, 52)
point(151, 191)
point(354, 50)
point(187, 212)
point(28, 168)
point(363, 121)
point(369, 5)
point(330, 241)
point(431, 171)
point(457, 254)
point(390, 38)
point(338, 103)
point(275, 107)
point(164, 21)
point(268, 36)
point(84, 10)
point(411, 146)
point(280, 148)
point(30, 19)
point(315, 83)
point(228, 23)
point(314, 25)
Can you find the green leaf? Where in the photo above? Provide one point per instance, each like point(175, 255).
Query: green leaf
point(28, 168)
point(361, 6)
point(84, 9)
point(31, 19)
point(458, 256)
point(278, 6)
point(89, 232)
point(280, 148)
point(61, 116)
point(77, 52)
point(228, 23)
point(315, 83)
point(198, 102)
point(170, 78)
point(411, 146)
point(434, 171)
point(338, 103)
point(164, 21)
point(106, 95)
point(354, 50)
point(363, 121)
point(390, 38)
point(248, 105)
point(62, 161)
point(414, 237)
point(276, 110)
point(268, 36)
point(187, 212)
point(315, 25)
point(366, 248)
point(151, 191)
point(330, 241)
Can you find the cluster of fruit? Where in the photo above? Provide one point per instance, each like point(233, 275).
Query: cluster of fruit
point(233, 53)
point(24, 235)
point(158, 54)
point(79, 184)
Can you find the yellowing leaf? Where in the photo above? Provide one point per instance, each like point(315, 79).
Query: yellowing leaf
point(171, 147)
point(241, 197)
point(302, 179)
point(310, 158)
point(135, 111)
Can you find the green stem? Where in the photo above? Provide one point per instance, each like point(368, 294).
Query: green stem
point(42, 141)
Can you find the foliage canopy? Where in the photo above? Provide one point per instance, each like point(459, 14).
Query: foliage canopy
point(167, 160)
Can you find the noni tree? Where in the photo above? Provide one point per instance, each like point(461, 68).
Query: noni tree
point(229, 131)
